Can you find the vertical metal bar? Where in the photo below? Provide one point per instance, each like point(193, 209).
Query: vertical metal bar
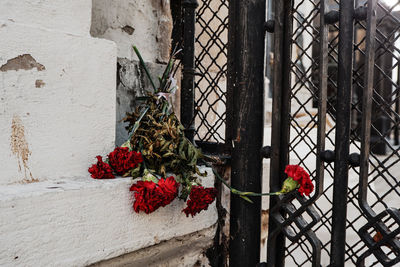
point(367, 106)
point(187, 93)
point(231, 79)
point(322, 96)
point(247, 95)
point(269, 50)
point(397, 107)
point(286, 89)
point(280, 120)
point(346, 24)
point(177, 18)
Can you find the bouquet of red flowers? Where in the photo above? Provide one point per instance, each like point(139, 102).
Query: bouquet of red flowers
point(157, 146)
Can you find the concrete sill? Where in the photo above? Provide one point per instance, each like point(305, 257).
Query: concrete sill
point(77, 222)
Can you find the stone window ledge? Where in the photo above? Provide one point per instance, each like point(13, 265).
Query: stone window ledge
point(77, 222)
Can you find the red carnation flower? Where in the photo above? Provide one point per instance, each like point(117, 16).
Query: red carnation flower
point(122, 160)
point(170, 188)
point(199, 199)
point(306, 186)
point(298, 174)
point(101, 170)
point(149, 196)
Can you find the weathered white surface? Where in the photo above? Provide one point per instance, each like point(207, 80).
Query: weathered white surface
point(63, 109)
point(83, 221)
point(71, 16)
point(57, 112)
point(144, 23)
point(183, 251)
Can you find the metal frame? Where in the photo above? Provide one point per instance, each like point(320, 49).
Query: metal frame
point(245, 94)
point(187, 93)
point(280, 216)
point(296, 221)
point(342, 140)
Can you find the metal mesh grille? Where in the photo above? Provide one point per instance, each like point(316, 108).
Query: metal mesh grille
point(384, 175)
point(303, 121)
point(211, 64)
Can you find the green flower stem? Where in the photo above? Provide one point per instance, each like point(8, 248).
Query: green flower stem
point(145, 68)
point(241, 193)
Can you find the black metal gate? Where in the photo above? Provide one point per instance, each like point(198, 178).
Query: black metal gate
point(336, 94)
point(336, 112)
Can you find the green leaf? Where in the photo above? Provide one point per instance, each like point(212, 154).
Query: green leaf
point(247, 199)
point(235, 191)
point(135, 173)
point(181, 148)
point(148, 176)
point(167, 70)
point(137, 122)
point(198, 172)
point(127, 144)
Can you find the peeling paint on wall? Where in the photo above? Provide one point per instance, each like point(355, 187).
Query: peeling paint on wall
point(128, 29)
point(20, 148)
point(39, 83)
point(22, 62)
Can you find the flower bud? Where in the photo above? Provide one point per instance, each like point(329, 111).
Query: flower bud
point(289, 185)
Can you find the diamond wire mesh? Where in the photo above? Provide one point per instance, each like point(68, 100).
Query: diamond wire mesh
point(384, 173)
point(210, 102)
point(211, 62)
point(303, 120)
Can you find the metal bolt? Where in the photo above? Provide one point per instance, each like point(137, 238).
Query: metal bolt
point(327, 156)
point(266, 152)
point(269, 25)
point(354, 159)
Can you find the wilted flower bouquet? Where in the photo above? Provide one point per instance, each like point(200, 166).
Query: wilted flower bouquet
point(157, 147)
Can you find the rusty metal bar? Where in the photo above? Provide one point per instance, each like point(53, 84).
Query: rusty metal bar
point(246, 41)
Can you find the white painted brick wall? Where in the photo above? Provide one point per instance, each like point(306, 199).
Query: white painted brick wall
point(72, 16)
point(57, 112)
point(150, 20)
point(69, 119)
